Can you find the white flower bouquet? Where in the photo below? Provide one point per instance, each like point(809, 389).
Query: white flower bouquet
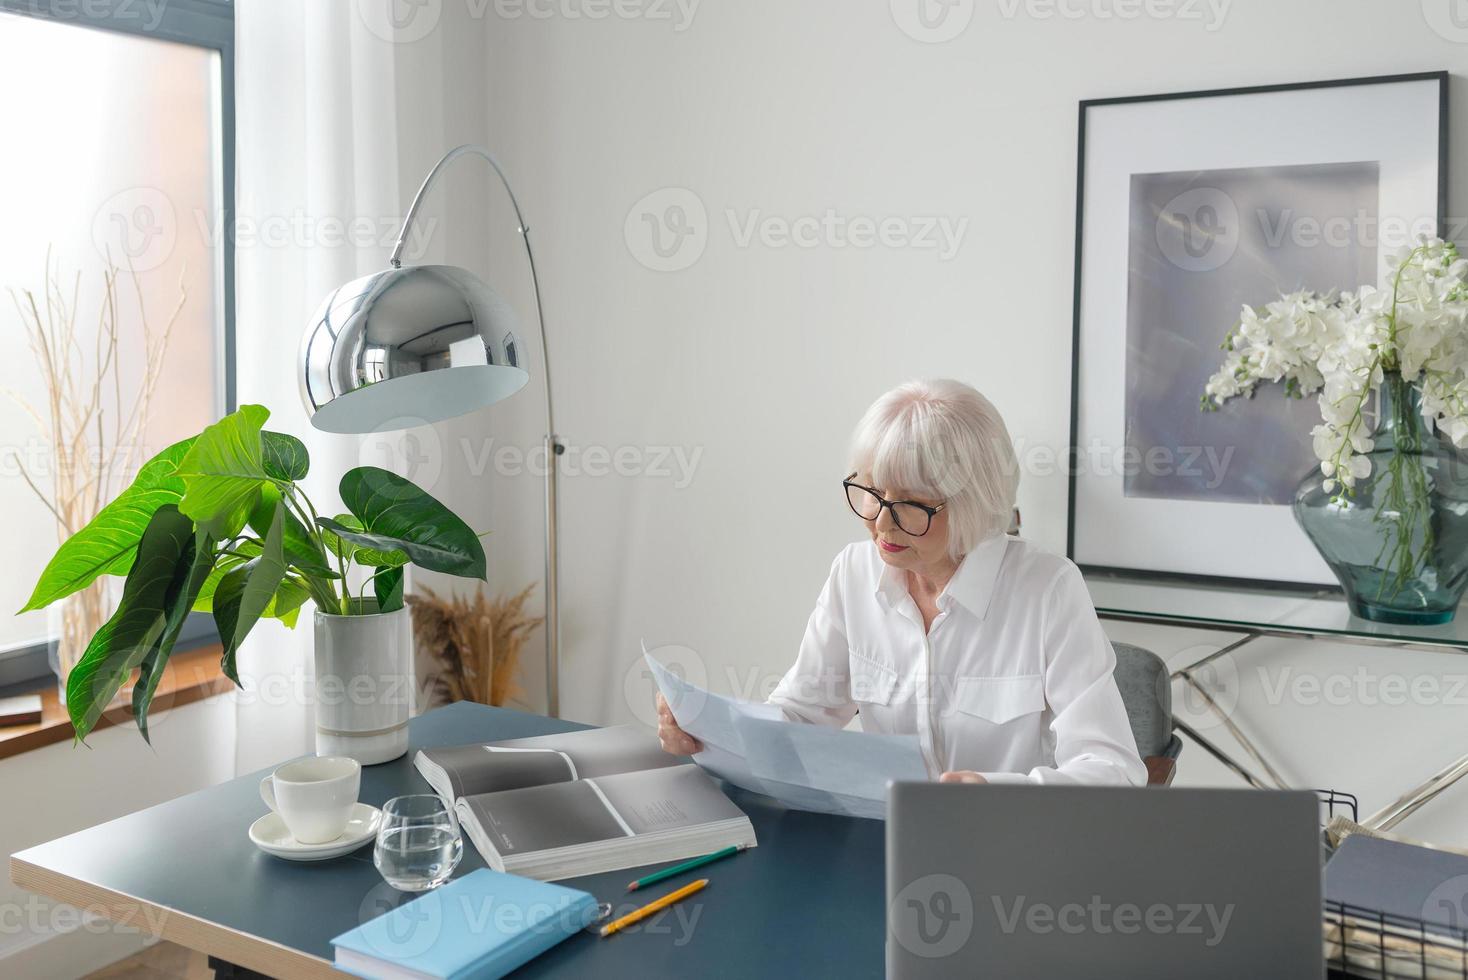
point(1341, 348)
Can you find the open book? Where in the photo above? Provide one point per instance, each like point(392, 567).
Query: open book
point(579, 803)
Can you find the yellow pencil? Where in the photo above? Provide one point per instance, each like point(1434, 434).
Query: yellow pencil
point(656, 906)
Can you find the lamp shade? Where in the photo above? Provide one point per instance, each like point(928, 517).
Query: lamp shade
point(407, 346)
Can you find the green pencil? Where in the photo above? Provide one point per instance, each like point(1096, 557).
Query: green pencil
point(678, 869)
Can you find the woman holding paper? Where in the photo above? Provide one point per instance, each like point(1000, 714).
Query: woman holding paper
point(943, 626)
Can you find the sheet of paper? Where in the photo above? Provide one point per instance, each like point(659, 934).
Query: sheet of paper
point(807, 767)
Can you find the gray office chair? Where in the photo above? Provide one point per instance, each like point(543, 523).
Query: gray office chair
point(1146, 690)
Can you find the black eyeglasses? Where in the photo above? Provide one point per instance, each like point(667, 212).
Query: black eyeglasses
point(910, 516)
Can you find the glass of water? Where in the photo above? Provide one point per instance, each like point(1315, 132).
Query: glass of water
point(418, 843)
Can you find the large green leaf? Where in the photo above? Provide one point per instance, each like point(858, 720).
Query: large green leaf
point(224, 471)
point(243, 594)
point(176, 606)
point(287, 601)
point(107, 544)
point(284, 456)
point(302, 550)
point(387, 585)
point(398, 515)
point(361, 555)
point(223, 565)
point(157, 588)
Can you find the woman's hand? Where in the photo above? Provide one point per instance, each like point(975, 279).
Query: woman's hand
point(675, 740)
point(961, 776)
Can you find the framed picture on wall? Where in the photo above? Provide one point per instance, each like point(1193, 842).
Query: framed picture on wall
point(1188, 207)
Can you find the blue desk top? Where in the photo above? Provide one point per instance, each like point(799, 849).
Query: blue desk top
point(808, 901)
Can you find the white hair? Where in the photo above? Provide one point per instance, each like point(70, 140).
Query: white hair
point(944, 441)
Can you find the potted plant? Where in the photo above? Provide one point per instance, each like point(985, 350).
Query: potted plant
point(1388, 508)
point(219, 523)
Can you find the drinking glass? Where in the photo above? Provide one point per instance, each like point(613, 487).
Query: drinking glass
point(418, 843)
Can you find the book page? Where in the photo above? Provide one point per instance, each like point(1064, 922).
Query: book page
point(544, 759)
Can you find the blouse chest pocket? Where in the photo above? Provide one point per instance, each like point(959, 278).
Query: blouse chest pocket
point(872, 682)
point(1000, 699)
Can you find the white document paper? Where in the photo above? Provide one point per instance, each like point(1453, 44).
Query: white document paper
point(807, 767)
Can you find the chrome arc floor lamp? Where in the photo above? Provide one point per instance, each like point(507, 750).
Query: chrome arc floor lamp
point(410, 345)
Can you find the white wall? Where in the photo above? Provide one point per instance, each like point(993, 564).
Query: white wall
point(761, 358)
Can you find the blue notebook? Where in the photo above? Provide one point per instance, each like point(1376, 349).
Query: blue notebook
point(482, 925)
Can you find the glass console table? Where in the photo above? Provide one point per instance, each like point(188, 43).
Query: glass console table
point(1256, 612)
point(1259, 612)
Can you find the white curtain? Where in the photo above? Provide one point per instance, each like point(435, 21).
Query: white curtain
point(338, 118)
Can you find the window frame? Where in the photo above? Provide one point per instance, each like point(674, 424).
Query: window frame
point(207, 24)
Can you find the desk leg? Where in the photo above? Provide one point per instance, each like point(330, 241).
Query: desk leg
point(224, 970)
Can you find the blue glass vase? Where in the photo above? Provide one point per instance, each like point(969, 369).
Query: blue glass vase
point(1399, 543)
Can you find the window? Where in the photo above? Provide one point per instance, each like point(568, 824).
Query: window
point(119, 145)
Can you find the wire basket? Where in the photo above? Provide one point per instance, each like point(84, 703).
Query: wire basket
point(1361, 942)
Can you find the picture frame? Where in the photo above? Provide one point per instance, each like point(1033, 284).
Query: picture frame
point(1188, 206)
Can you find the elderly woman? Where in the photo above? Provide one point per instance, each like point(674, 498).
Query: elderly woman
point(945, 627)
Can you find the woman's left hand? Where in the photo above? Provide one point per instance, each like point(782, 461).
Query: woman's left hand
point(961, 776)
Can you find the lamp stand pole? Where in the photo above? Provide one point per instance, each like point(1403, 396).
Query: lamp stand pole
point(553, 445)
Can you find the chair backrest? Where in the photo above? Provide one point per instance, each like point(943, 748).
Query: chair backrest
point(1146, 690)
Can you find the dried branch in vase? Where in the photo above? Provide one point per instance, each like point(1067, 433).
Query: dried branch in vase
point(474, 644)
point(92, 428)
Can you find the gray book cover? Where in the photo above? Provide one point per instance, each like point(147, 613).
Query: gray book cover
point(605, 808)
point(1404, 880)
point(545, 759)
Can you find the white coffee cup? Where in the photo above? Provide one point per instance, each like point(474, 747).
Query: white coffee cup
point(314, 796)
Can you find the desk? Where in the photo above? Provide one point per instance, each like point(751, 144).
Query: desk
point(808, 901)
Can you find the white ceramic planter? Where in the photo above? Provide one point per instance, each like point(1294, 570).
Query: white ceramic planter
point(364, 685)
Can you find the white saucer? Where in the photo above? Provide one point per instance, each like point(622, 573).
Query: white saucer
point(269, 833)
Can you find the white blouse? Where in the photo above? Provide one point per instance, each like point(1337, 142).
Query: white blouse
point(1013, 680)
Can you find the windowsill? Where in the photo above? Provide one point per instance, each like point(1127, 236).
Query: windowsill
point(190, 676)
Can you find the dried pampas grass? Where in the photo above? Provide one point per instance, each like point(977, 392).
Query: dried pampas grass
point(474, 644)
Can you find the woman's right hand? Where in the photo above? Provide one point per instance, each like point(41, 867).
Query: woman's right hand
point(674, 739)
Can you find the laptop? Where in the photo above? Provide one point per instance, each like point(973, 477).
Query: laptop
point(1101, 882)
